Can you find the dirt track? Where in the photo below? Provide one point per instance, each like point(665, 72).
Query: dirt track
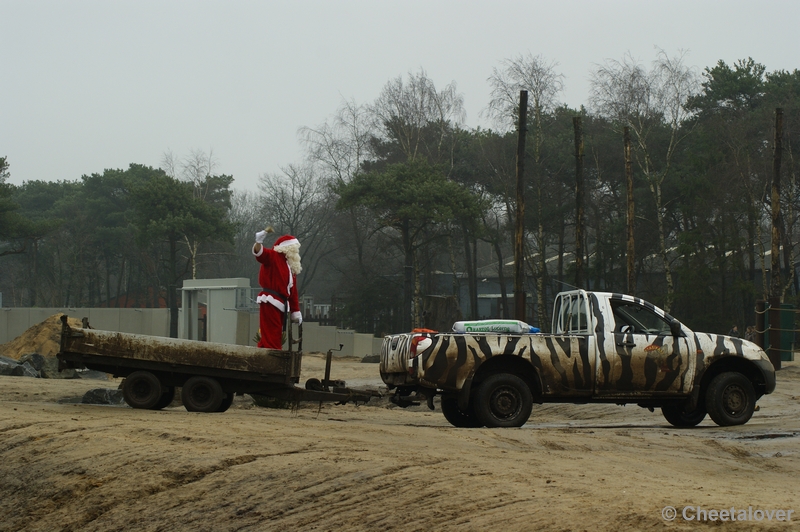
point(82, 467)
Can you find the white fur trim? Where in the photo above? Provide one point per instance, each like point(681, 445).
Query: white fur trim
point(286, 244)
point(266, 298)
point(260, 251)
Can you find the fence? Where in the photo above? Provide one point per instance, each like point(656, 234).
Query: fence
point(775, 330)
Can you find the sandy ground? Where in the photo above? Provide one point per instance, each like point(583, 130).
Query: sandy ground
point(377, 467)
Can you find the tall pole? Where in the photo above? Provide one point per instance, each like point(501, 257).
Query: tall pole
point(579, 200)
point(775, 201)
point(630, 254)
point(519, 236)
point(774, 352)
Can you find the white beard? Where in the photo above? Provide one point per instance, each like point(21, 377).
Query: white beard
point(292, 254)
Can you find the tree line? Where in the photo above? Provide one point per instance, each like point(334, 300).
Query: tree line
point(396, 200)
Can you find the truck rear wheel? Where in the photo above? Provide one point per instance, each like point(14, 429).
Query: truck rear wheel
point(677, 415)
point(142, 389)
point(730, 399)
point(457, 418)
point(503, 400)
point(202, 394)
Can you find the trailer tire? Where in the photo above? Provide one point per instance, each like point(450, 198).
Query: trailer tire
point(226, 403)
point(457, 418)
point(142, 389)
point(730, 399)
point(202, 394)
point(503, 400)
point(166, 398)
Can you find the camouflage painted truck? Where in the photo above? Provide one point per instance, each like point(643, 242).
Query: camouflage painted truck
point(604, 348)
point(209, 374)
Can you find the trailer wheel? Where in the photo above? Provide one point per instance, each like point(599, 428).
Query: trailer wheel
point(142, 389)
point(503, 400)
point(226, 403)
point(677, 416)
point(457, 418)
point(730, 399)
point(202, 394)
point(166, 399)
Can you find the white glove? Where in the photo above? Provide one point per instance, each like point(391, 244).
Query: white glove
point(260, 236)
point(297, 317)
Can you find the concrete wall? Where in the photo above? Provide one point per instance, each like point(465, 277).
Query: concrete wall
point(320, 338)
point(150, 321)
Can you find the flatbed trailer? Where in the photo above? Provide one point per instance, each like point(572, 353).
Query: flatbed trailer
point(209, 374)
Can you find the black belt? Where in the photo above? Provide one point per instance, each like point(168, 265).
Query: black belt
point(282, 297)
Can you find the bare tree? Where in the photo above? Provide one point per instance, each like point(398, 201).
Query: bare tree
point(531, 73)
point(647, 101)
point(297, 202)
point(338, 148)
point(340, 145)
point(406, 111)
point(198, 168)
point(543, 83)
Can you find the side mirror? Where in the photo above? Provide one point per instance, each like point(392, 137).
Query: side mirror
point(675, 328)
point(625, 329)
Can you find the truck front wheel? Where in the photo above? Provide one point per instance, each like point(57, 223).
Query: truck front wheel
point(457, 418)
point(678, 416)
point(142, 389)
point(503, 400)
point(730, 399)
point(202, 394)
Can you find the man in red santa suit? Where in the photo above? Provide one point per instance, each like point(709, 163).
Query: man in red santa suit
point(278, 279)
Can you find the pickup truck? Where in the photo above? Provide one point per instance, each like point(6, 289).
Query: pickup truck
point(604, 348)
point(209, 374)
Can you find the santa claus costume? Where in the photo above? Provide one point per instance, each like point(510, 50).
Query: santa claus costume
point(278, 279)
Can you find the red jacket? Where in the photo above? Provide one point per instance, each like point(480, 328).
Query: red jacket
point(279, 285)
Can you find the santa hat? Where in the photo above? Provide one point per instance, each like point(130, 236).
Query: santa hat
point(285, 242)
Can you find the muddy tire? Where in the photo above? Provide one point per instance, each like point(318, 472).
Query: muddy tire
point(730, 399)
point(142, 389)
point(457, 418)
point(677, 416)
point(202, 394)
point(503, 400)
point(226, 403)
point(167, 397)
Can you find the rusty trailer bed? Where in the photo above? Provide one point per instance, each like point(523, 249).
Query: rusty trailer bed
point(158, 365)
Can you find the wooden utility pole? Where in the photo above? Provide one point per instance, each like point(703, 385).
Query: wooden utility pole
point(519, 236)
point(775, 289)
point(579, 200)
point(630, 254)
point(775, 203)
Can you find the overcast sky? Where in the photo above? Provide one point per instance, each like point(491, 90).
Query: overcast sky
point(90, 85)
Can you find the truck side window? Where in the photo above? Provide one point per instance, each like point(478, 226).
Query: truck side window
point(573, 315)
point(637, 319)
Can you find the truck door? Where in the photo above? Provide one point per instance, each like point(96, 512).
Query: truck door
point(641, 354)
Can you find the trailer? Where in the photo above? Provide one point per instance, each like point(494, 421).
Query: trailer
point(208, 374)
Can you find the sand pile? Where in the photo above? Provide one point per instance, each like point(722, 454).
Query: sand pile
point(43, 338)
